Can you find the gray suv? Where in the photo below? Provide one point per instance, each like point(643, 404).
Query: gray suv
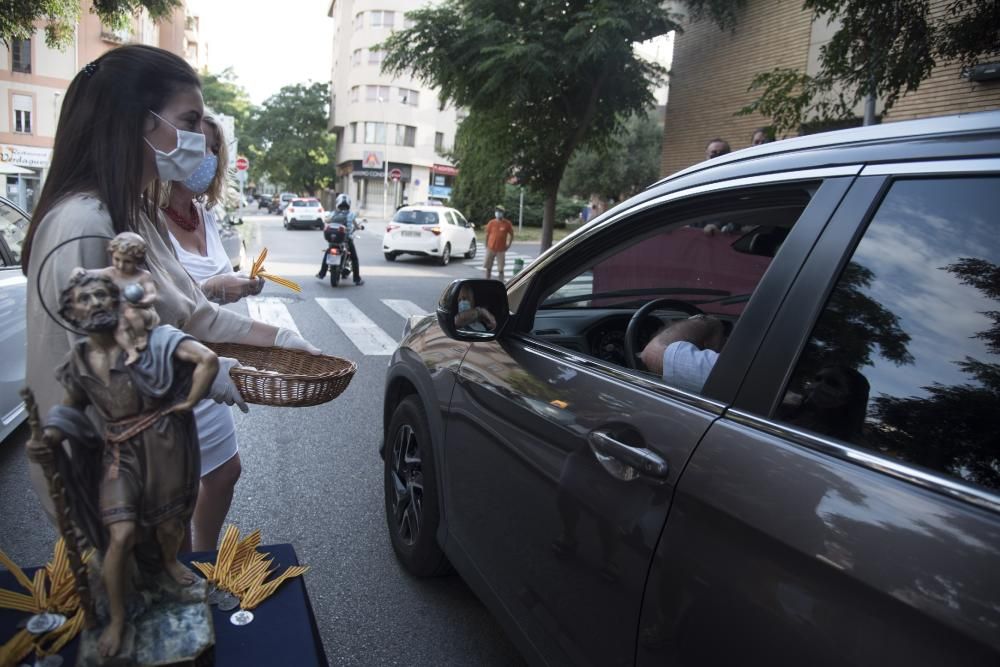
point(817, 482)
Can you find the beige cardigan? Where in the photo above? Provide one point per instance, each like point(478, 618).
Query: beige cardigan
point(179, 300)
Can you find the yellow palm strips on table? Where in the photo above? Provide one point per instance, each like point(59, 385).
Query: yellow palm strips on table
point(242, 570)
point(53, 589)
point(258, 271)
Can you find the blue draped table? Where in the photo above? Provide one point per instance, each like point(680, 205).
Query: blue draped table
point(283, 631)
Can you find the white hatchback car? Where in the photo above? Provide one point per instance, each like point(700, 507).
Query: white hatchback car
point(431, 231)
point(304, 212)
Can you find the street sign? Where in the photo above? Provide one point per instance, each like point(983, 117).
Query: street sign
point(395, 174)
point(241, 176)
point(242, 164)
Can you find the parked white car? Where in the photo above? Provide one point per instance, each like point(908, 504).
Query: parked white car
point(431, 231)
point(13, 341)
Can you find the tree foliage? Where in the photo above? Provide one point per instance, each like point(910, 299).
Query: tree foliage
point(881, 48)
point(224, 95)
point(18, 17)
point(480, 154)
point(295, 147)
point(546, 77)
point(626, 165)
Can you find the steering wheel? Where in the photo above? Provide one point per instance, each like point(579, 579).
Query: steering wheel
point(632, 332)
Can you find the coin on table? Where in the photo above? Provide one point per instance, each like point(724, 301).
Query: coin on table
point(242, 617)
point(228, 602)
point(39, 624)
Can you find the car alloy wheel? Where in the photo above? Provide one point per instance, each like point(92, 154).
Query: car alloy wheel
point(472, 250)
point(445, 255)
point(411, 496)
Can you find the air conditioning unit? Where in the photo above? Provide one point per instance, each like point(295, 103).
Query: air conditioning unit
point(984, 72)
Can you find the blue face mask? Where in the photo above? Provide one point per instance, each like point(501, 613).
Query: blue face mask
point(202, 177)
point(464, 305)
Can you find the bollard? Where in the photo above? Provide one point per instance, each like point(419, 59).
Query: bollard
point(518, 265)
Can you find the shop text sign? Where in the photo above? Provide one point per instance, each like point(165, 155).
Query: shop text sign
point(26, 156)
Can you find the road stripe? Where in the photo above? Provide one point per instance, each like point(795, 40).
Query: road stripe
point(271, 310)
point(405, 308)
point(367, 336)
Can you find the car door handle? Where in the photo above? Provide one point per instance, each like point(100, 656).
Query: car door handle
point(642, 460)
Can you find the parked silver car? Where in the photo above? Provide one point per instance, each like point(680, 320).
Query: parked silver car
point(13, 344)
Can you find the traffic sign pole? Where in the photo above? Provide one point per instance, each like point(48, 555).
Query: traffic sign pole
point(242, 165)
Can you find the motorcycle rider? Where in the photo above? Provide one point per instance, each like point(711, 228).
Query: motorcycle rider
point(343, 215)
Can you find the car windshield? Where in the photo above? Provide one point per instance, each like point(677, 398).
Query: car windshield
point(416, 217)
point(305, 202)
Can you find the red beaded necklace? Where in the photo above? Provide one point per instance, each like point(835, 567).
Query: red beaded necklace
point(188, 224)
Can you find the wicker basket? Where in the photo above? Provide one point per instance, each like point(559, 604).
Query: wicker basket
point(303, 379)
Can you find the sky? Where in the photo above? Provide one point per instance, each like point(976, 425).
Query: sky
point(268, 43)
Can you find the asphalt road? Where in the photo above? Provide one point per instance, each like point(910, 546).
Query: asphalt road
point(313, 477)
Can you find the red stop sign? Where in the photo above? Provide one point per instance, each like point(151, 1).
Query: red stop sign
point(395, 174)
point(242, 164)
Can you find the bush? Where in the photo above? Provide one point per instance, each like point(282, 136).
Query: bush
point(567, 208)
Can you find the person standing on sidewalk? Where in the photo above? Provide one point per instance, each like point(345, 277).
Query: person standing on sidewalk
point(499, 236)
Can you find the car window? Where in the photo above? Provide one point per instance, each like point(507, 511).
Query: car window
point(461, 219)
point(412, 217)
point(13, 227)
point(449, 218)
point(706, 257)
point(905, 358)
point(305, 203)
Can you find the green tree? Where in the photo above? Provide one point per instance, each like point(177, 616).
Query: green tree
point(296, 149)
point(625, 166)
point(545, 77)
point(18, 17)
point(882, 49)
point(480, 154)
point(224, 95)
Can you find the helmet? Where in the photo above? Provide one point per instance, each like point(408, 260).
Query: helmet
point(343, 202)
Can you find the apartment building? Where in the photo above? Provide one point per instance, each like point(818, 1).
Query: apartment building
point(34, 79)
point(712, 70)
point(391, 133)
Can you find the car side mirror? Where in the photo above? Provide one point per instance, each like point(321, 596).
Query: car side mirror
point(474, 310)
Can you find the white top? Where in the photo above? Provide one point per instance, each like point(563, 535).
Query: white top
point(687, 367)
point(215, 261)
point(216, 426)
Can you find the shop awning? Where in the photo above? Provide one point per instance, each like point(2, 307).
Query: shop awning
point(11, 169)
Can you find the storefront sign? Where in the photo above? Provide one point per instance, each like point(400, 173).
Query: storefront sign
point(439, 191)
point(357, 169)
point(372, 160)
point(26, 156)
point(445, 169)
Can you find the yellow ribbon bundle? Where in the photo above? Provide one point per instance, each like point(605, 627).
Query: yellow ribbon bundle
point(242, 570)
point(53, 589)
point(258, 271)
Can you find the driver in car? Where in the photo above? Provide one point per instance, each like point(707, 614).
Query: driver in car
point(683, 353)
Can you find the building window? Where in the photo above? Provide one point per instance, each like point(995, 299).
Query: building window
point(355, 93)
point(20, 52)
point(411, 97)
point(406, 135)
point(376, 93)
point(354, 133)
point(359, 20)
point(375, 57)
point(438, 142)
point(356, 57)
point(374, 133)
point(22, 113)
point(382, 19)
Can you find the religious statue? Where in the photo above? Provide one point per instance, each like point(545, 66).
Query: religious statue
point(128, 251)
point(131, 489)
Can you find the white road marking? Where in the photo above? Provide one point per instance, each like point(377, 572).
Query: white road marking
point(405, 308)
point(271, 310)
point(367, 336)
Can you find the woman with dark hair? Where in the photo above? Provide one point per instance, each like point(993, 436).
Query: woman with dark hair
point(194, 234)
point(129, 119)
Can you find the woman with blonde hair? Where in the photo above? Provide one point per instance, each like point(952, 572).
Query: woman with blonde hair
point(194, 234)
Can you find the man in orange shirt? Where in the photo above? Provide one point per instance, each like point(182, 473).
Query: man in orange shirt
point(499, 236)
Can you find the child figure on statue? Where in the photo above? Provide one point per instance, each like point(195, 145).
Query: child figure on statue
point(138, 317)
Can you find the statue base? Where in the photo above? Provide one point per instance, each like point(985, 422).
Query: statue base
point(170, 632)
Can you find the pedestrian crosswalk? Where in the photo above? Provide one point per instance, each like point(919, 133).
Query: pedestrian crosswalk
point(479, 263)
point(363, 332)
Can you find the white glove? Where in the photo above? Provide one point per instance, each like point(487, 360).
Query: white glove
point(291, 340)
point(230, 287)
point(224, 389)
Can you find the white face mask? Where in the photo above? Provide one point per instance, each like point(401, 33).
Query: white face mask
point(180, 163)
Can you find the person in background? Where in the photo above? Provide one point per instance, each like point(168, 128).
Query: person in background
point(499, 236)
point(129, 120)
point(194, 233)
point(471, 316)
point(684, 353)
point(716, 147)
point(343, 215)
point(760, 136)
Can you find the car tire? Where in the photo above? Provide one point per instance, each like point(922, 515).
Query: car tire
point(285, 223)
point(472, 250)
point(390, 257)
point(445, 255)
point(412, 509)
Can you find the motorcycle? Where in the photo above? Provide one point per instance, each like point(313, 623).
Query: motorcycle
point(338, 253)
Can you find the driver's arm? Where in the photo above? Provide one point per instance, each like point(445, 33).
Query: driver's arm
point(701, 330)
